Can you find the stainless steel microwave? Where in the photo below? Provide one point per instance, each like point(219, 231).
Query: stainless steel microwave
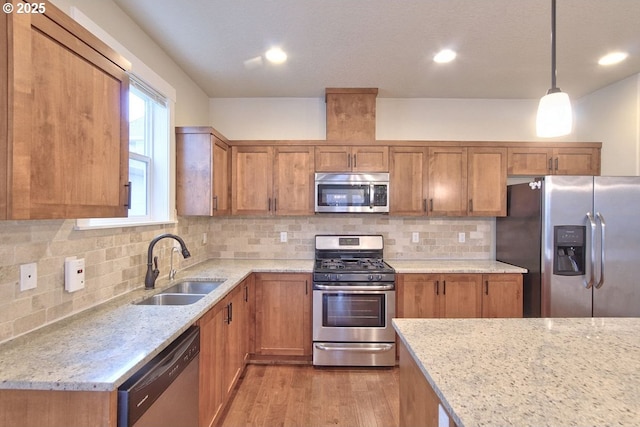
point(352, 192)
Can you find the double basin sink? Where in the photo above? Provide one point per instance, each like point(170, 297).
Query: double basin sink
point(183, 293)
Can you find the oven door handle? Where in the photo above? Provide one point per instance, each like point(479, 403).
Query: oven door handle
point(354, 288)
point(378, 348)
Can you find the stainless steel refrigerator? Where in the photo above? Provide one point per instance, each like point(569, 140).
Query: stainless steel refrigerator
point(579, 237)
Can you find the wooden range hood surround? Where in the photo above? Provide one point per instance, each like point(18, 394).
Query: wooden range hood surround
point(351, 114)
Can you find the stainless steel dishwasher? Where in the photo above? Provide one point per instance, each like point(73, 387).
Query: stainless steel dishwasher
point(165, 391)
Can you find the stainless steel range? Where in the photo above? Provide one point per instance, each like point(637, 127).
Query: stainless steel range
point(353, 302)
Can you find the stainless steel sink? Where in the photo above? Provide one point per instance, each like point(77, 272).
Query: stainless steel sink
point(201, 287)
point(171, 299)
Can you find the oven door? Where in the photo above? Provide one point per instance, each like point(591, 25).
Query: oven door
point(353, 313)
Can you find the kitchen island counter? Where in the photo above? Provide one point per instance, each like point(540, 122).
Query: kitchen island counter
point(98, 349)
point(523, 372)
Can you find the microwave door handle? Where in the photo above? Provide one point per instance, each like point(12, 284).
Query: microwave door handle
point(371, 195)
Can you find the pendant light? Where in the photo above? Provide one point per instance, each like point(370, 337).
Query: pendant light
point(554, 111)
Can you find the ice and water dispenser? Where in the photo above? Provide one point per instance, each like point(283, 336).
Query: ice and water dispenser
point(569, 250)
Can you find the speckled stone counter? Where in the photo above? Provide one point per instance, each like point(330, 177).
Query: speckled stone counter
point(101, 347)
point(530, 372)
point(453, 266)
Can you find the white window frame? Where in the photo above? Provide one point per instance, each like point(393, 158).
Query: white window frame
point(162, 174)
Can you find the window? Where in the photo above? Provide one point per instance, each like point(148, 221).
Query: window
point(151, 102)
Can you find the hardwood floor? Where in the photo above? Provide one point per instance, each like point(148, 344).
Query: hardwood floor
point(294, 395)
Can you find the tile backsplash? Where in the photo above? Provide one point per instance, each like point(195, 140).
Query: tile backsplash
point(251, 237)
point(116, 258)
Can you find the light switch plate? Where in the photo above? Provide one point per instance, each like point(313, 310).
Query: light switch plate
point(283, 236)
point(28, 276)
point(415, 237)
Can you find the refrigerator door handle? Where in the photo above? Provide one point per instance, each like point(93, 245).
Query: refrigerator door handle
point(592, 223)
point(602, 227)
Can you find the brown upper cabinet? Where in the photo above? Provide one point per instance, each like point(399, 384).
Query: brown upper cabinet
point(448, 181)
point(202, 172)
point(269, 180)
point(348, 158)
point(529, 160)
point(351, 114)
point(64, 131)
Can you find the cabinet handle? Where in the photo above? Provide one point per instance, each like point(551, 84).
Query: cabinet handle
point(444, 287)
point(227, 314)
point(470, 205)
point(431, 205)
point(230, 312)
point(486, 287)
point(246, 294)
point(437, 287)
point(269, 205)
point(275, 204)
point(215, 203)
point(355, 161)
point(556, 164)
point(550, 164)
point(128, 204)
point(349, 160)
point(306, 287)
point(424, 205)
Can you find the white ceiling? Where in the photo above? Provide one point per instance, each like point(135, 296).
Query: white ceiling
point(503, 45)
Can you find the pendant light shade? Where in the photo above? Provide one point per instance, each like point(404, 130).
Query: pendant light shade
point(554, 111)
point(554, 115)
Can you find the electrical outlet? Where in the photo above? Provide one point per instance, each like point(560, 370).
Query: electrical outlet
point(415, 237)
point(283, 236)
point(461, 237)
point(28, 276)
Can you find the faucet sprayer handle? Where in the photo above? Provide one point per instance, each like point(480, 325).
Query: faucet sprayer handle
point(155, 262)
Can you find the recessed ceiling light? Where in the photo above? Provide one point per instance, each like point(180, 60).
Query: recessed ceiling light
point(444, 56)
point(613, 58)
point(276, 55)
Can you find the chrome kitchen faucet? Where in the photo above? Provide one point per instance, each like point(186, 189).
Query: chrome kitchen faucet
point(152, 262)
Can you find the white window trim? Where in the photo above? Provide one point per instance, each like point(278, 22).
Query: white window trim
point(151, 78)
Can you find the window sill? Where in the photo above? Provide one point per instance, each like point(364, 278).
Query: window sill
point(93, 224)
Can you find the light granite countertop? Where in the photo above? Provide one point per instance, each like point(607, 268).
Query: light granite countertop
point(453, 266)
point(530, 372)
point(101, 347)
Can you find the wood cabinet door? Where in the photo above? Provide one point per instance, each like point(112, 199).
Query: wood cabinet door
point(487, 182)
point(234, 346)
point(576, 161)
point(370, 159)
point(447, 182)
point(502, 295)
point(461, 295)
point(418, 295)
point(66, 147)
point(194, 174)
point(408, 180)
point(293, 181)
point(533, 161)
point(283, 314)
point(252, 180)
point(333, 158)
point(221, 199)
point(212, 366)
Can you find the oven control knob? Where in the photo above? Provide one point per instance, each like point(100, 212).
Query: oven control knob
point(379, 277)
point(370, 277)
point(337, 277)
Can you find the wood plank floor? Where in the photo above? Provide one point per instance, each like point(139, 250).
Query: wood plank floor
point(294, 395)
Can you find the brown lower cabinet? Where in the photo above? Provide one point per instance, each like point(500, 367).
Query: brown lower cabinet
point(459, 295)
point(418, 402)
point(224, 345)
point(283, 314)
